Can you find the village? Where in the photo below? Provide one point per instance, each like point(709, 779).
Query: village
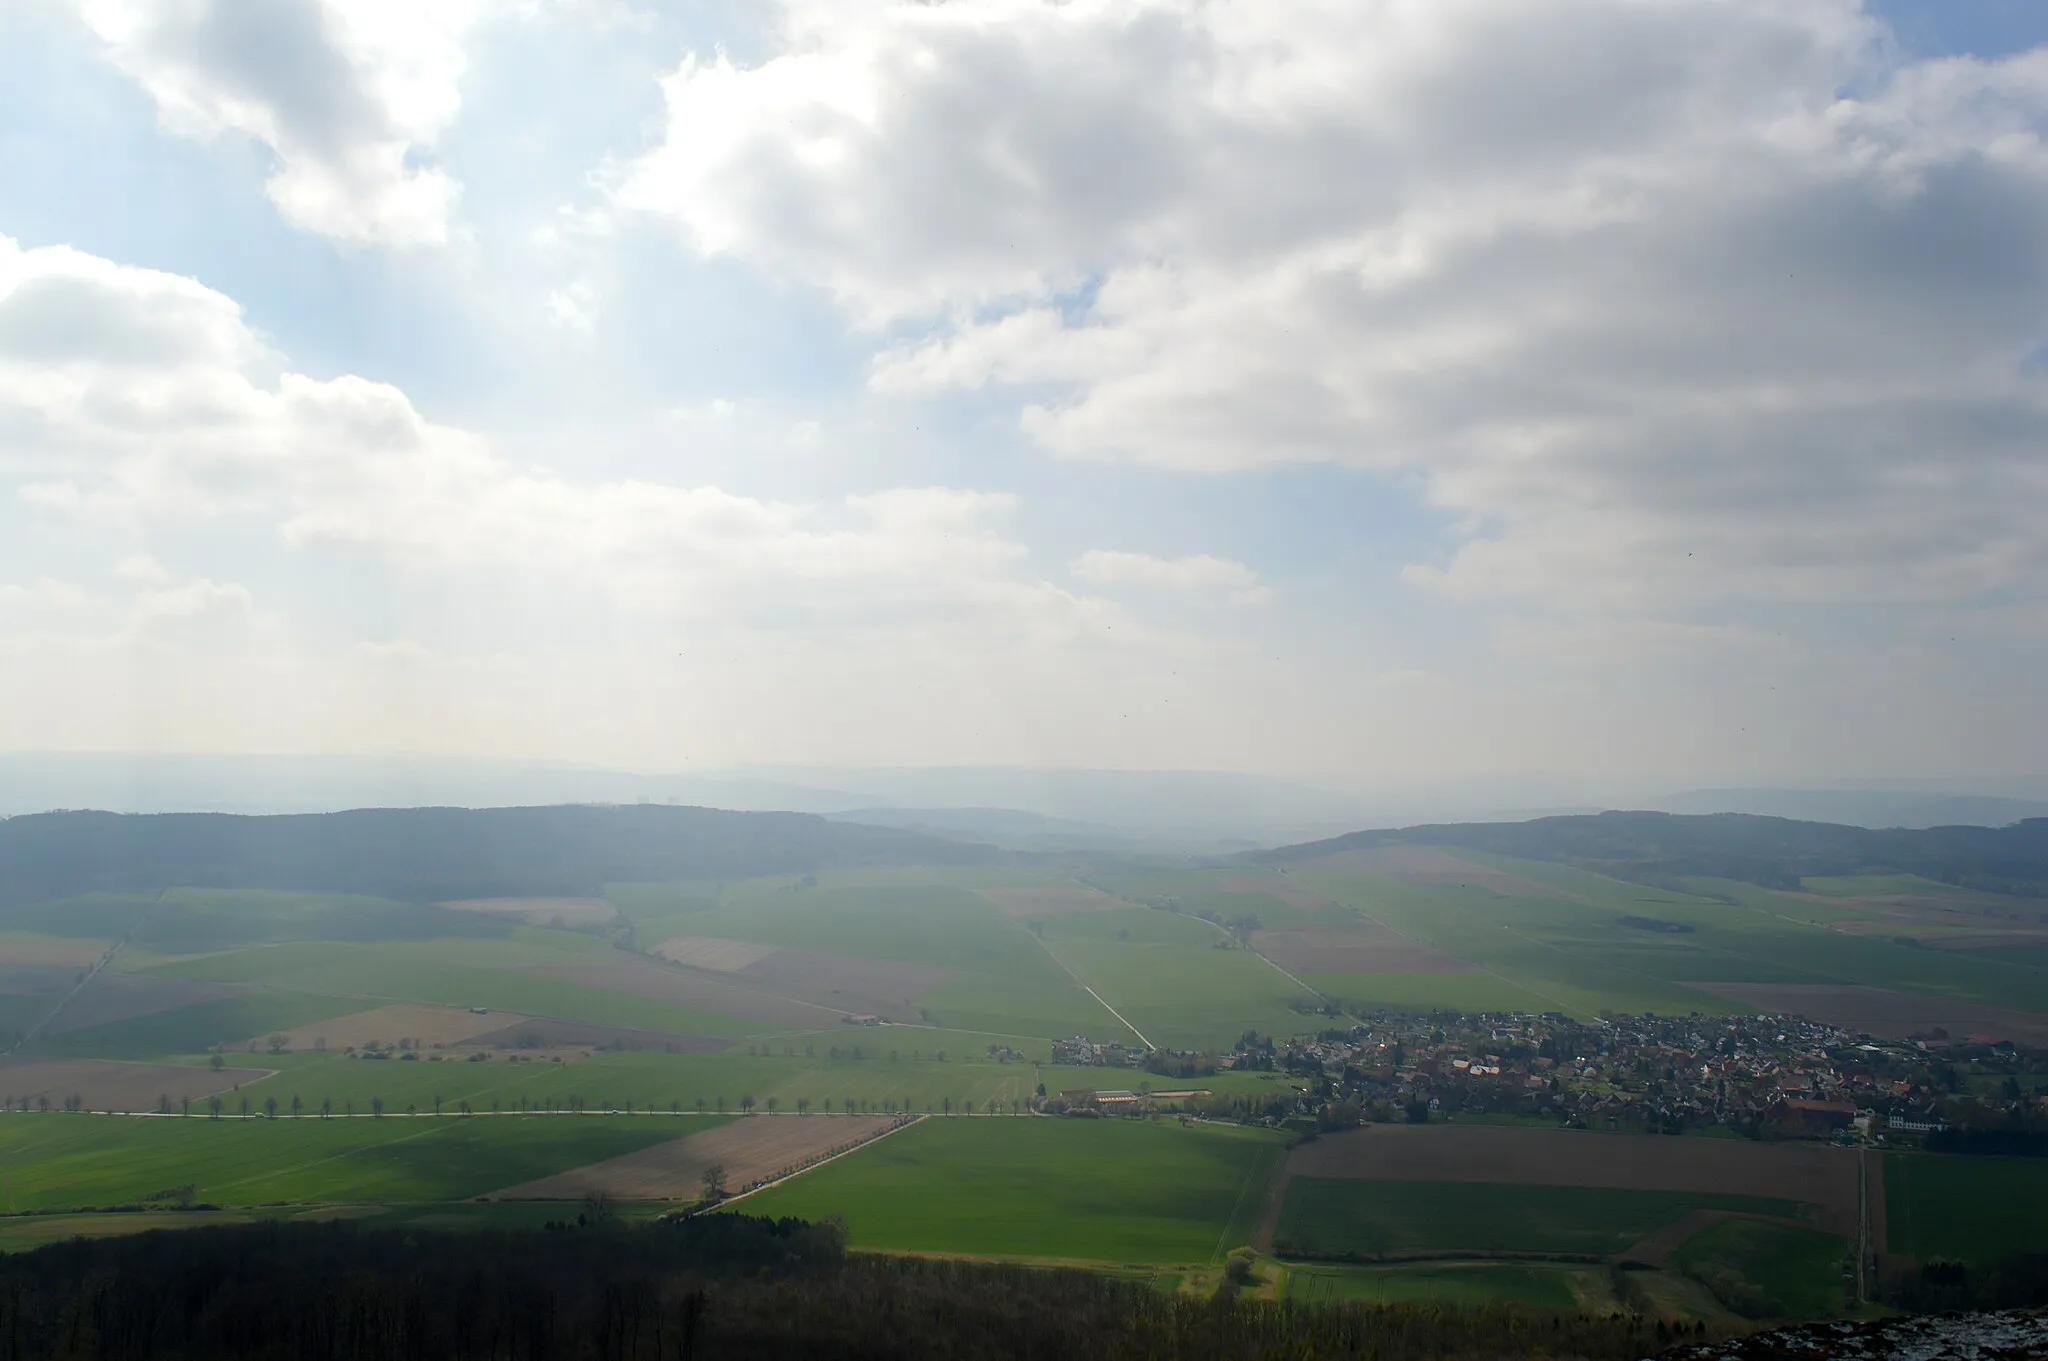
point(1753, 1076)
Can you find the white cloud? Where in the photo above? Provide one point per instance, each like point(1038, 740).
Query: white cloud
point(1201, 574)
point(1660, 302)
point(107, 419)
point(350, 95)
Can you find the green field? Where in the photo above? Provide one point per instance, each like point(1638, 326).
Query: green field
point(61, 1162)
point(1351, 1217)
point(1766, 1270)
point(1080, 1190)
point(1970, 1209)
point(1477, 1283)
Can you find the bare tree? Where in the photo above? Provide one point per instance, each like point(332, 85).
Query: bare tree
point(713, 1182)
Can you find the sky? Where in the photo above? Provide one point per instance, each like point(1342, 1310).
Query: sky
point(1367, 391)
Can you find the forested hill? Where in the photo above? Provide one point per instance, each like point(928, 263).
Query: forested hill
point(429, 854)
point(1772, 851)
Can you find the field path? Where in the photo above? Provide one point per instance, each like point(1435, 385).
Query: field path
point(90, 974)
point(1276, 1197)
point(748, 1150)
point(1083, 985)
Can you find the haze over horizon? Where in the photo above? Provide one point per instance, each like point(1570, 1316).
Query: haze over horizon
point(1634, 395)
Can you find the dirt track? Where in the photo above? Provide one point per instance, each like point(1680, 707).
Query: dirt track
point(749, 1149)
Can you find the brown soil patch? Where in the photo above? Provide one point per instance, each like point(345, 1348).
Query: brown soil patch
point(1276, 886)
point(861, 986)
point(709, 952)
point(1049, 902)
point(1365, 948)
point(540, 1034)
point(109, 1086)
point(699, 990)
point(1435, 865)
point(112, 997)
point(423, 1025)
point(1814, 1173)
point(50, 950)
point(1882, 1011)
point(569, 912)
point(749, 1149)
point(38, 980)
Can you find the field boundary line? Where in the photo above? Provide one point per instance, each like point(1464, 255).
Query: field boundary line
point(1253, 950)
point(1082, 984)
point(865, 1143)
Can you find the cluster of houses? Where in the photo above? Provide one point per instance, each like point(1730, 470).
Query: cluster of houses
point(1765, 1076)
point(1761, 1075)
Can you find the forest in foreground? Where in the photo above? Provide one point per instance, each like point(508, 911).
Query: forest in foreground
point(718, 1285)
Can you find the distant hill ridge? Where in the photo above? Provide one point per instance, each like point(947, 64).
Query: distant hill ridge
point(1775, 852)
point(430, 854)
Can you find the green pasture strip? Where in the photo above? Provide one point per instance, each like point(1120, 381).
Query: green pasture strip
point(486, 973)
point(87, 916)
point(1766, 1270)
point(1115, 1191)
point(1599, 890)
point(1468, 1283)
point(700, 1081)
point(56, 1161)
point(1973, 1209)
point(1893, 886)
point(934, 926)
point(192, 1029)
point(1427, 992)
point(1324, 1215)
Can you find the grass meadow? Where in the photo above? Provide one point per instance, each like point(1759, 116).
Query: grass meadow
point(1971, 1209)
point(56, 1161)
point(1116, 1191)
point(1344, 1216)
point(1767, 1270)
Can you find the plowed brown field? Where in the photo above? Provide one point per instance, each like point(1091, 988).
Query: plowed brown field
point(1049, 902)
point(749, 1149)
point(1814, 1173)
point(105, 1086)
point(388, 1025)
point(1364, 948)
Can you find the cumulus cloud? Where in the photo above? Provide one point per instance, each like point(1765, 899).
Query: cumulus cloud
point(110, 419)
point(1659, 303)
point(1201, 574)
point(350, 95)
